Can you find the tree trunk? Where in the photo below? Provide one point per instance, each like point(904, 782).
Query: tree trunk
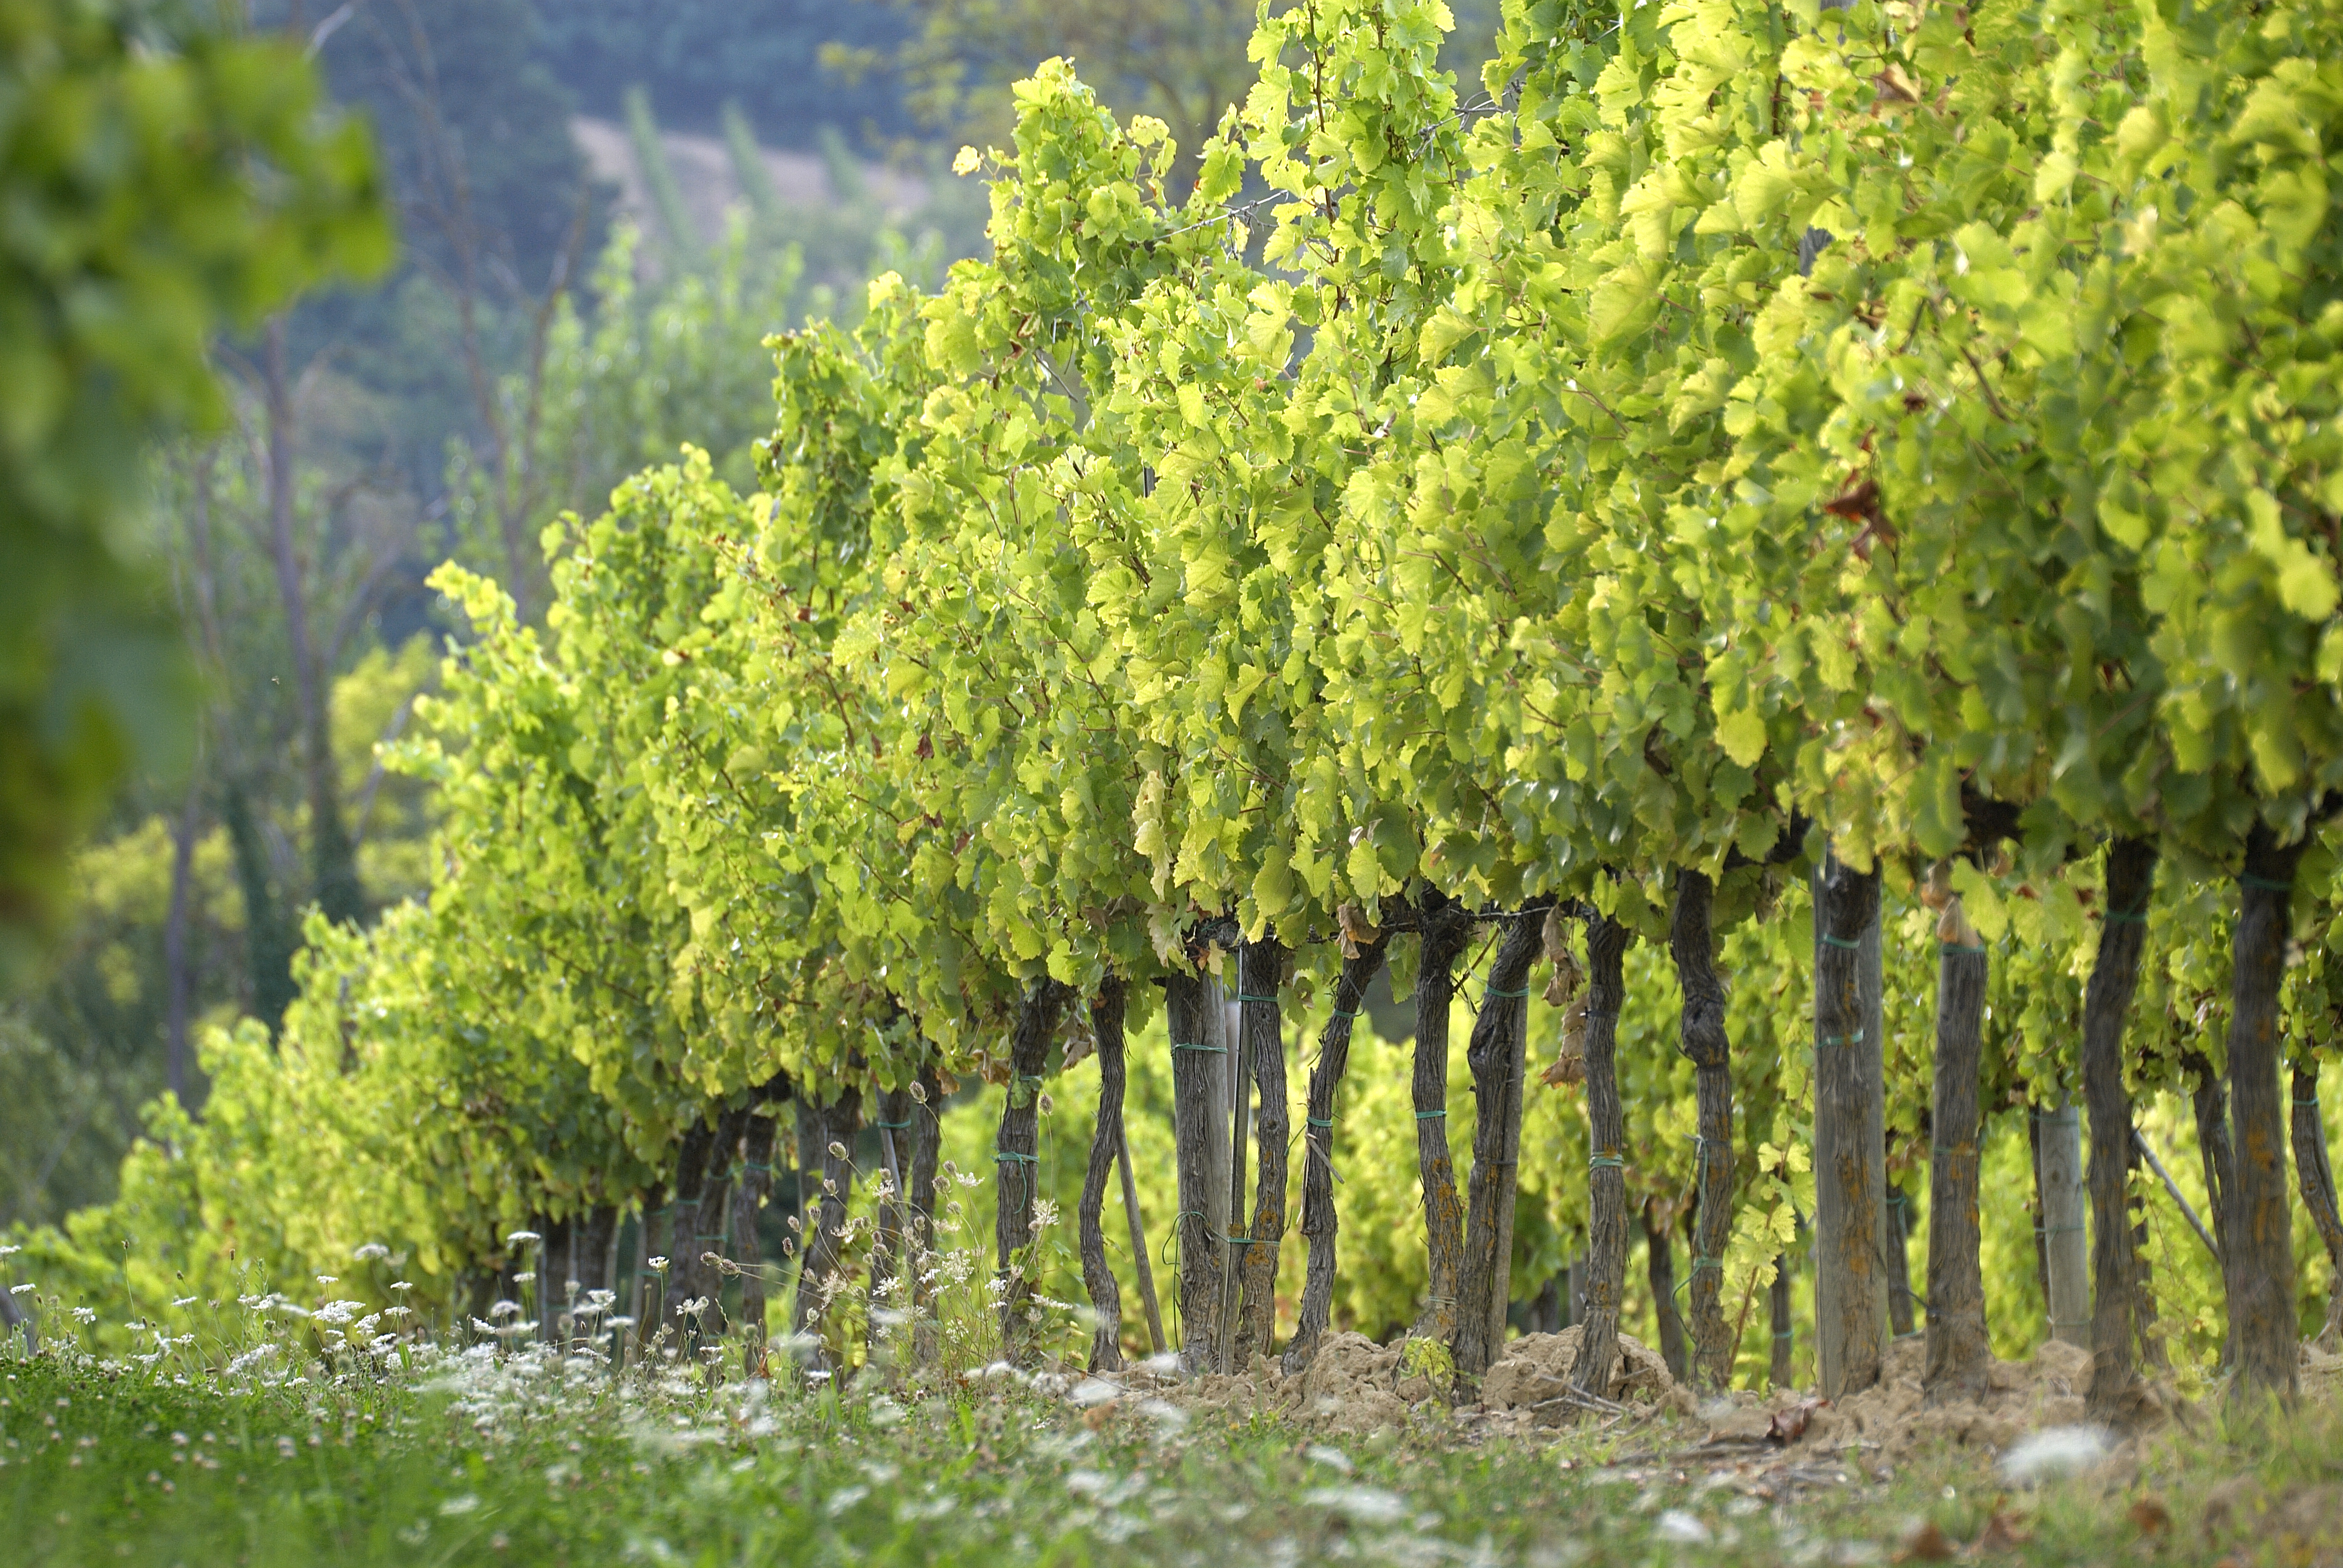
point(1016, 1155)
point(1606, 1272)
point(1260, 966)
point(1703, 1040)
point(1446, 930)
point(333, 860)
point(927, 1152)
point(1496, 1054)
point(821, 1276)
point(1850, 1150)
point(1660, 1273)
point(1106, 1138)
point(1960, 1354)
point(1899, 1262)
point(268, 934)
point(2209, 1101)
point(1318, 1218)
point(2316, 1176)
point(2259, 1255)
point(682, 1239)
point(2118, 1300)
point(179, 971)
point(1195, 1069)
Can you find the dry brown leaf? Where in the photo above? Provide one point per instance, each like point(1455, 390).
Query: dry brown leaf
point(1953, 926)
point(2004, 1530)
point(1926, 1545)
point(2151, 1516)
point(1358, 932)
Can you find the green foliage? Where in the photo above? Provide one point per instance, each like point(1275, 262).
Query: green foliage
point(168, 182)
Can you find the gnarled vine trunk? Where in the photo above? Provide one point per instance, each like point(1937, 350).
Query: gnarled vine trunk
point(2107, 1003)
point(1106, 1141)
point(1495, 1055)
point(1606, 1273)
point(1960, 1356)
point(1850, 1154)
point(2257, 1256)
point(1318, 1221)
point(1195, 1065)
point(889, 1217)
point(1016, 1156)
point(1261, 967)
point(1703, 1040)
point(1446, 928)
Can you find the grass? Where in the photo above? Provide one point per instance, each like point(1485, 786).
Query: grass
point(477, 1457)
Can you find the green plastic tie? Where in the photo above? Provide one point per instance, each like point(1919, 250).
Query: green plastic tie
point(2266, 885)
point(891, 1126)
point(1855, 1039)
point(2312, 1102)
point(1340, 1013)
point(1270, 1000)
point(1011, 1154)
point(765, 1166)
point(1429, 1115)
point(1208, 1049)
point(1781, 1333)
point(1841, 943)
point(1957, 947)
point(1317, 1122)
point(1606, 1162)
point(1700, 1263)
point(1508, 995)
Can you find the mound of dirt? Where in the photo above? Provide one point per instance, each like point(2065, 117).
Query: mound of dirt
point(1353, 1385)
point(2019, 1397)
point(1535, 1373)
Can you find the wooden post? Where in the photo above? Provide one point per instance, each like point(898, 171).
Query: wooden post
point(1850, 1135)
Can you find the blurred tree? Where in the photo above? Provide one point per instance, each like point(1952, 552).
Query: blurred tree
point(163, 180)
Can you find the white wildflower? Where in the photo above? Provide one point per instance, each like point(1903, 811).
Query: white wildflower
point(523, 1239)
point(527, 1277)
point(372, 1252)
point(401, 1285)
point(330, 1279)
point(505, 1310)
point(184, 1301)
point(19, 1290)
point(2054, 1451)
point(658, 1265)
point(84, 1315)
point(1360, 1504)
point(836, 1150)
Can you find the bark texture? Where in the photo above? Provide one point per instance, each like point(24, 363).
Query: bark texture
point(1960, 1356)
point(1261, 969)
point(1607, 1228)
point(2258, 1258)
point(1106, 1140)
point(1850, 1316)
point(2316, 1176)
point(2117, 1298)
point(1016, 1159)
point(1318, 1221)
point(1446, 928)
point(1703, 1040)
point(1495, 1055)
point(1193, 1133)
